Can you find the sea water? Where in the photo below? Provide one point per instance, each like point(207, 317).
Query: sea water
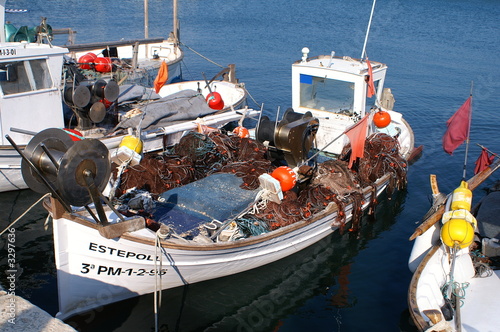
point(435, 50)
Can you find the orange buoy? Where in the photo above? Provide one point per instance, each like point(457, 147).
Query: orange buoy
point(286, 176)
point(215, 101)
point(86, 60)
point(75, 135)
point(103, 65)
point(241, 132)
point(381, 119)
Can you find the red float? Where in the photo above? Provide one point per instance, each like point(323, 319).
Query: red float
point(381, 119)
point(215, 101)
point(75, 135)
point(241, 132)
point(103, 65)
point(286, 176)
point(87, 60)
point(106, 102)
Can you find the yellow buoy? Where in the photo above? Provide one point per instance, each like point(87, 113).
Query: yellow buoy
point(457, 232)
point(132, 142)
point(462, 197)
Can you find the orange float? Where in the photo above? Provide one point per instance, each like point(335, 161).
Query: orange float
point(103, 65)
point(86, 60)
point(215, 101)
point(286, 176)
point(241, 132)
point(381, 119)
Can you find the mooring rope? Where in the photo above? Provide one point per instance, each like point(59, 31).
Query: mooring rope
point(158, 273)
point(201, 55)
point(25, 212)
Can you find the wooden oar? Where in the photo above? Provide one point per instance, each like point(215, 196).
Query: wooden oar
point(473, 183)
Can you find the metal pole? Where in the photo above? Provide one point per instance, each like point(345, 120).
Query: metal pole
point(146, 19)
point(368, 30)
point(175, 22)
point(468, 134)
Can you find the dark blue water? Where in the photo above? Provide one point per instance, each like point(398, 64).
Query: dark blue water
point(434, 50)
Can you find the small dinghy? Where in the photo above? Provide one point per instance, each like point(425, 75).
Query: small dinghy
point(456, 280)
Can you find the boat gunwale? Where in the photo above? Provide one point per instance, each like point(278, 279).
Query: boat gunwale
point(419, 321)
point(58, 212)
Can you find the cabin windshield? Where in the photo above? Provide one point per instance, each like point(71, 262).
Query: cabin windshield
point(24, 76)
point(326, 94)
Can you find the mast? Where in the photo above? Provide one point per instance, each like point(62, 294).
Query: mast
point(175, 22)
point(146, 19)
point(2, 21)
point(368, 30)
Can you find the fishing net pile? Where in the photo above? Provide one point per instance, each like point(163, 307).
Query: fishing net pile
point(381, 157)
point(195, 157)
point(331, 183)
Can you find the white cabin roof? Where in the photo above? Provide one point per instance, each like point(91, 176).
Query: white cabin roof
point(345, 65)
point(15, 50)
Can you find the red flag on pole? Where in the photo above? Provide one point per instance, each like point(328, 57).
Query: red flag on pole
point(483, 161)
point(357, 136)
point(458, 127)
point(371, 86)
point(162, 76)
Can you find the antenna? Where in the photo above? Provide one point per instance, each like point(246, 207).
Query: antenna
point(368, 30)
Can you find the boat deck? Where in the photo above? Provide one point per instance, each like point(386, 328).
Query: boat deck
point(480, 311)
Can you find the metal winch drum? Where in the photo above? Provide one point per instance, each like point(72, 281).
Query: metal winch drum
point(88, 100)
point(72, 168)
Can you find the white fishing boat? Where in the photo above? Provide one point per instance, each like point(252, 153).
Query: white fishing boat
point(456, 281)
point(133, 61)
point(33, 97)
point(230, 92)
point(217, 203)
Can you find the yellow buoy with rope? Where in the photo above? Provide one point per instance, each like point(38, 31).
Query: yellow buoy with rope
point(457, 232)
point(134, 143)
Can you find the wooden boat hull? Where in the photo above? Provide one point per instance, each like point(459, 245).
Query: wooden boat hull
point(95, 271)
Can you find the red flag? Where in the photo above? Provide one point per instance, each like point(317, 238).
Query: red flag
point(162, 76)
point(483, 161)
point(458, 127)
point(371, 86)
point(357, 136)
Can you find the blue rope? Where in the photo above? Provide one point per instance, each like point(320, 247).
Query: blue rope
point(252, 226)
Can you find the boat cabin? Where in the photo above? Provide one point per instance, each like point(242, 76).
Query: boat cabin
point(334, 90)
point(30, 95)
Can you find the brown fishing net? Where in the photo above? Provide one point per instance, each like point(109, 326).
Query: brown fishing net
point(381, 156)
point(198, 155)
point(334, 182)
point(158, 174)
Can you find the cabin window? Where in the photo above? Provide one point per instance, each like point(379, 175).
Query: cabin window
point(24, 76)
point(326, 94)
point(371, 102)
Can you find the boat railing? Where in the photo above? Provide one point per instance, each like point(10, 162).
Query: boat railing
point(97, 45)
point(66, 31)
